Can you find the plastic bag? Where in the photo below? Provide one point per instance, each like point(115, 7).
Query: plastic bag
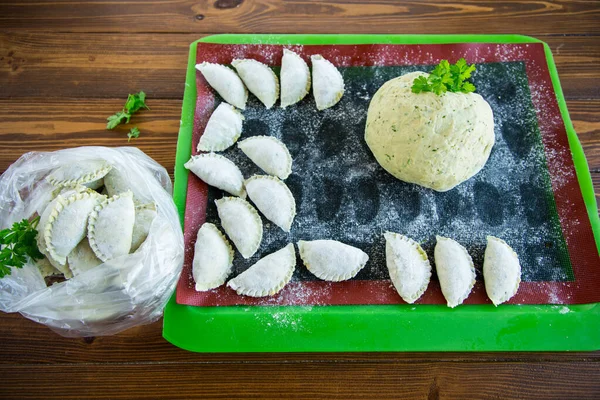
point(119, 294)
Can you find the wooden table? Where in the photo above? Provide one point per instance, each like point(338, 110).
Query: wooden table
point(66, 65)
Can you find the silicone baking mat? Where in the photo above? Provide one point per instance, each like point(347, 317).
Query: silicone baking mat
point(379, 327)
point(527, 193)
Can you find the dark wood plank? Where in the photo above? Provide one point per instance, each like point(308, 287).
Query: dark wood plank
point(107, 65)
point(298, 16)
point(51, 125)
point(389, 380)
point(26, 342)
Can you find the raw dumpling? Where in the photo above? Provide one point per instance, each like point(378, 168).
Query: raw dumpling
point(115, 183)
point(408, 266)
point(144, 215)
point(269, 153)
point(455, 270)
point(272, 198)
point(295, 78)
point(46, 268)
point(260, 80)
point(82, 258)
point(331, 260)
point(226, 82)
point(242, 224)
point(222, 130)
point(268, 275)
point(66, 225)
point(110, 227)
point(328, 84)
point(219, 172)
point(88, 173)
point(213, 258)
point(501, 270)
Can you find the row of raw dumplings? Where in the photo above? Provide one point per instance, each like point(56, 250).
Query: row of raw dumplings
point(81, 228)
point(410, 269)
point(329, 260)
point(261, 81)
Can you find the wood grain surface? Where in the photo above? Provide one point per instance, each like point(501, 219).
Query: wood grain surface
point(65, 65)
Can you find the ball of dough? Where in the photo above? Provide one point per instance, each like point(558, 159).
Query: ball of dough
point(433, 141)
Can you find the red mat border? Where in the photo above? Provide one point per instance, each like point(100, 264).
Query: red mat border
point(569, 201)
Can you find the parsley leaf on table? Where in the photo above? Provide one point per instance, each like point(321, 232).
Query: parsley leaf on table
point(16, 244)
point(446, 78)
point(134, 103)
point(134, 133)
point(117, 119)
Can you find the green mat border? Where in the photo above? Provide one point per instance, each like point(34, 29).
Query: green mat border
point(376, 327)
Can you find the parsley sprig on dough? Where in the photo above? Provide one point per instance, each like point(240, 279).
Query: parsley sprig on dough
point(446, 78)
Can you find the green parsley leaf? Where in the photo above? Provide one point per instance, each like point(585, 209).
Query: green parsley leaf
point(117, 119)
point(134, 103)
point(446, 78)
point(420, 84)
point(18, 243)
point(133, 133)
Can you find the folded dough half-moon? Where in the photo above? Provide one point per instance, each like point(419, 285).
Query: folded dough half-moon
point(331, 260)
point(328, 84)
point(241, 223)
point(218, 171)
point(295, 78)
point(260, 80)
point(110, 227)
point(501, 270)
point(269, 153)
point(455, 270)
point(226, 82)
point(408, 266)
point(223, 129)
point(82, 258)
point(213, 258)
point(268, 275)
point(272, 198)
point(88, 173)
point(66, 225)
